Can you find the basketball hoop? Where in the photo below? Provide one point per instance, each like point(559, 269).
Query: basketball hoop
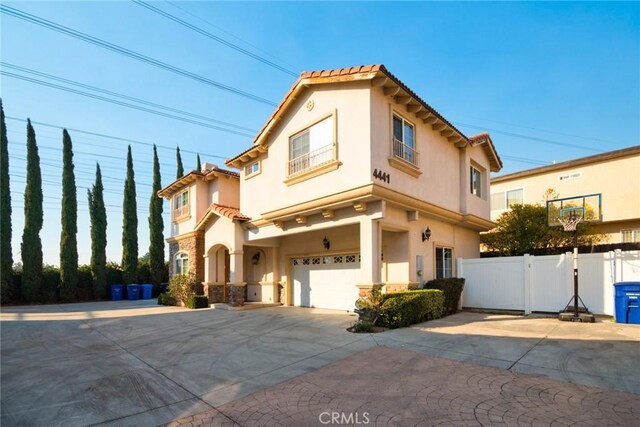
point(570, 222)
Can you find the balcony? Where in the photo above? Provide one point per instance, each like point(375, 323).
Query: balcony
point(405, 152)
point(311, 160)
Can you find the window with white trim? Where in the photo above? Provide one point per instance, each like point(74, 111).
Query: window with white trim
point(313, 147)
point(181, 204)
point(404, 145)
point(182, 263)
point(630, 236)
point(506, 199)
point(251, 169)
point(444, 263)
point(475, 181)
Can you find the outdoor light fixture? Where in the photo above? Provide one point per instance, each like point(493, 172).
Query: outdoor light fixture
point(426, 235)
point(255, 259)
point(326, 243)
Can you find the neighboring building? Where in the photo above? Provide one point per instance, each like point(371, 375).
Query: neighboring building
point(353, 181)
point(615, 175)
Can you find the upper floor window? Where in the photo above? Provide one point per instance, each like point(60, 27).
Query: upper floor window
point(630, 236)
point(476, 182)
point(181, 204)
point(444, 263)
point(182, 263)
point(506, 199)
point(252, 169)
point(404, 140)
point(312, 147)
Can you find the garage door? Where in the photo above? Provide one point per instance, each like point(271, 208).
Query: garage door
point(327, 281)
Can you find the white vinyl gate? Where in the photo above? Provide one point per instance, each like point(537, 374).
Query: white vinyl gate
point(545, 283)
point(326, 281)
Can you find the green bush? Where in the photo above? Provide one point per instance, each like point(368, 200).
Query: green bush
point(363, 326)
point(452, 289)
point(182, 286)
point(166, 299)
point(114, 274)
point(368, 308)
point(50, 284)
point(197, 301)
point(405, 308)
point(85, 283)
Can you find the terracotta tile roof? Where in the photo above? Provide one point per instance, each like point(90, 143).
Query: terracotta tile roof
point(484, 139)
point(223, 171)
point(229, 212)
point(191, 176)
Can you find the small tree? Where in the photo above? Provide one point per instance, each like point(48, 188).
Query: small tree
point(129, 226)
point(198, 164)
point(180, 171)
point(98, 217)
point(523, 229)
point(31, 247)
point(69, 216)
point(156, 225)
point(6, 256)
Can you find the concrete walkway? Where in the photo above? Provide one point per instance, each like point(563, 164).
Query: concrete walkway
point(136, 363)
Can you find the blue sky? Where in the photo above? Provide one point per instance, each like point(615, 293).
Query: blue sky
point(533, 74)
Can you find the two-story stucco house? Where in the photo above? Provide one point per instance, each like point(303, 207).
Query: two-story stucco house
point(353, 181)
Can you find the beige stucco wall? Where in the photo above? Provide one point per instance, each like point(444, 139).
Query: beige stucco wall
point(618, 180)
point(350, 104)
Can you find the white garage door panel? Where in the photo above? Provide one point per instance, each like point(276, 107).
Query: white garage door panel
point(326, 282)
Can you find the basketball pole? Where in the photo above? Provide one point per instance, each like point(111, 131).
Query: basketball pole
point(575, 272)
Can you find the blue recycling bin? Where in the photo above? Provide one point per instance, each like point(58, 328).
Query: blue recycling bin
point(627, 299)
point(116, 292)
point(147, 291)
point(133, 292)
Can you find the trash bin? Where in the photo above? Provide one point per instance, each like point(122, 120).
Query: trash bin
point(627, 298)
point(147, 290)
point(116, 292)
point(133, 292)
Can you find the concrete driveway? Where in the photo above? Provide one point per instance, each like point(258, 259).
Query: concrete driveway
point(135, 363)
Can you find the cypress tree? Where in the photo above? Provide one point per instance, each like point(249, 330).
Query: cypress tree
point(156, 225)
point(69, 215)
point(129, 226)
point(31, 247)
point(98, 216)
point(6, 257)
point(180, 173)
point(198, 164)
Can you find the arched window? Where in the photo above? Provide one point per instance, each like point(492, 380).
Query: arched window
point(182, 263)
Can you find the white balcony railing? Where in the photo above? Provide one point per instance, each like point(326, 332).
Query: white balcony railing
point(311, 160)
point(405, 152)
point(180, 211)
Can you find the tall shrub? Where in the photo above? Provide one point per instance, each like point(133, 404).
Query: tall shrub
point(156, 225)
point(198, 163)
point(98, 217)
point(69, 216)
point(180, 171)
point(129, 226)
point(31, 247)
point(6, 257)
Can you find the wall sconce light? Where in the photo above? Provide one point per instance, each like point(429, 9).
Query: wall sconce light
point(426, 235)
point(326, 243)
point(255, 259)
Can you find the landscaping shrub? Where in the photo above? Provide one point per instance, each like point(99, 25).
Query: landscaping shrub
point(50, 284)
point(85, 283)
point(114, 274)
point(183, 286)
point(452, 289)
point(368, 308)
point(405, 308)
point(166, 299)
point(197, 301)
point(144, 271)
point(363, 326)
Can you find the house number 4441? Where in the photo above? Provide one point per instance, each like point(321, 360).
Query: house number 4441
point(382, 176)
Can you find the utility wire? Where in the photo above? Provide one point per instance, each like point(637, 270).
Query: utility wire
point(116, 138)
point(16, 13)
point(199, 18)
point(122, 96)
point(214, 37)
point(121, 103)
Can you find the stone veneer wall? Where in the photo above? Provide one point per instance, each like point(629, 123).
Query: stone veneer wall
point(193, 245)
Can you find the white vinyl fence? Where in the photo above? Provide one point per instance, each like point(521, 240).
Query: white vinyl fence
point(545, 283)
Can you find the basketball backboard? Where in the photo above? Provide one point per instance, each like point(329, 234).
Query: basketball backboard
point(588, 207)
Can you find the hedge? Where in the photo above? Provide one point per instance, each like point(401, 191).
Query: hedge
point(166, 299)
point(452, 288)
point(197, 301)
point(405, 308)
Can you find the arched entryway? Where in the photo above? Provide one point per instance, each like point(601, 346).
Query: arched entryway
point(217, 273)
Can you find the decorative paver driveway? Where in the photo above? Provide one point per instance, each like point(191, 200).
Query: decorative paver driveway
point(383, 386)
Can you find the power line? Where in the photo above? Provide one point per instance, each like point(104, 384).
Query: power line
point(127, 97)
point(199, 18)
point(121, 103)
point(16, 13)
point(115, 138)
point(214, 37)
